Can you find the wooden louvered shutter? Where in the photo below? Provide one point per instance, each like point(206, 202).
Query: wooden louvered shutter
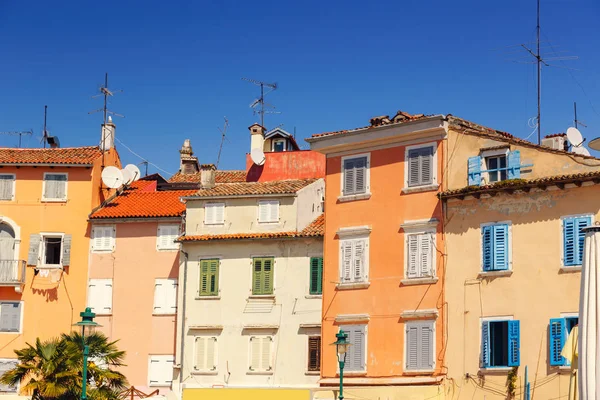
point(580, 223)
point(487, 250)
point(514, 343)
point(514, 164)
point(348, 177)
point(257, 277)
point(412, 346)
point(10, 316)
point(413, 251)
point(266, 353)
point(200, 344)
point(426, 347)
point(474, 171)
point(213, 277)
point(425, 249)
point(426, 166)
point(6, 187)
point(204, 277)
point(557, 335)
point(34, 249)
point(267, 276)
point(50, 187)
point(359, 348)
point(569, 235)
point(413, 168)
point(485, 344)
point(255, 356)
point(359, 260)
point(500, 247)
point(314, 353)
point(360, 175)
point(61, 186)
point(66, 250)
point(316, 275)
point(346, 261)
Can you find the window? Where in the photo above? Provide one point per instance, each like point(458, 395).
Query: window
point(355, 356)
point(420, 166)
point(268, 211)
point(49, 250)
point(420, 340)
point(262, 276)
point(278, 145)
point(165, 296)
point(500, 343)
point(10, 316)
point(160, 372)
point(496, 168)
point(314, 353)
point(355, 175)
point(316, 275)
point(167, 234)
point(103, 238)
point(420, 259)
point(100, 295)
point(209, 277)
point(260, 353)
point(354, 260)
point(573, 239)
point(54, 187)
point(495, 247)
point(7, 186)
point(214, 213)
point(206, 353)
point(500, 165)
point(560, 328)
point(6, 364)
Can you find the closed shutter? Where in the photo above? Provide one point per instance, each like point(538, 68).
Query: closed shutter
point(413, 254)
point(103, 238)
point(267, 276)
point(61, 186)
point(205, 353)
point(359, 259)
point(485, 344)
point(419, 345)
point(66, 250)
point(348, 177)
point(211, 353)
point(167, 234)
point(255, 356)
point(414, 177)
point(214, 213)
point(265, 362)
point(50, 187)
point(426, 165)
point(514, 343)
point(161, 370)
point(487, 250)
point(500, 247)
point(474, 171)
point(580, 223)
point(514, 164)
point(93, 300)
point(34, 249)
point(425, 255)
point(257, 277)
point(346, 261)
point(358, 342)
point(209, 277)
point(220, 213)
point(360, 175)
point(412, 346)
point(100, 293)
point(10, 316)
point(5, 366)
point(316, 275)
point(426, 346)
point(268, 211)
point(557, 335)
point(6, 187)
point(314, 353)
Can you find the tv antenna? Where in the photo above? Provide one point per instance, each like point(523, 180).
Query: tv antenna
point(18, 133)
point(106, 93)
point(261, 100)
point(575, 120)
point(223, 132)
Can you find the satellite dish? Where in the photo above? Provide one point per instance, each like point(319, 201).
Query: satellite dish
point(258, 156)
point(134, 170)
point(127, 177)
point(574, 137)
point(595, 144)
point(112, 177)
point(581, 150)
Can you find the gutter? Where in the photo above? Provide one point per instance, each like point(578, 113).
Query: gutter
point(182, 336)
point(239, 196)
point(44, 165)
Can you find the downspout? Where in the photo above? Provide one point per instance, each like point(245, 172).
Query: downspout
point(182, 337)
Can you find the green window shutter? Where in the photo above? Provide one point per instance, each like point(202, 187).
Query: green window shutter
point(268, 275)
point(209, 277)
point(316, 275)
point(257, 276)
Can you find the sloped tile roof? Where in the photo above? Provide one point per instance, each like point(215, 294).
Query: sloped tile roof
point(66, 155)
point(255, 188)
point(315, 229)
point(223, 176)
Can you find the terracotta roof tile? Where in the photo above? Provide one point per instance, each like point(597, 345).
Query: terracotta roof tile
point(139, 203)
point(224, 176)
point(66, 155)
point(255, 188)
point(315, 229)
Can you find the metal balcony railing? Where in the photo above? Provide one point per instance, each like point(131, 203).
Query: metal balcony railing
point(12, 272)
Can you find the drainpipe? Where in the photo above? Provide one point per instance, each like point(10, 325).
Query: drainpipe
point(182, 338)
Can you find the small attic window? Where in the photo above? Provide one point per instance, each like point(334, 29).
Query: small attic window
point(279, 145)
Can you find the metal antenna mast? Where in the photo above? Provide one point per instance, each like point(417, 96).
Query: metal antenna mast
point(45, 133)
point(261, 100)
point(223, 132)
point(576, 121)
point(106, 93)
point(18, 133)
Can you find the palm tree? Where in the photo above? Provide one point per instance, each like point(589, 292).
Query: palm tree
point(52, 370)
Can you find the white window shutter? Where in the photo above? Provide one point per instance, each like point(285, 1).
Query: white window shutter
point(274, 211)
point(211, 352)
point(107, 292)
point(425, 244)
point(209, 210)
point(93, 295)
point(159, 297)
point(220, 213)
point(412, 346)
point(346, 261)
point(413, 250)
point(359, 259)
point(200, 353)
point(171, 293)
point(255, 356)
point(265, 362)
point(263, 211)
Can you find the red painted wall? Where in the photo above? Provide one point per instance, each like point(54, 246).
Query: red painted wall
point(303, 164)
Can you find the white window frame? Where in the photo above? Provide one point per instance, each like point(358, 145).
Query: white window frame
point(20, 331)
point(14, 189)
point(171, 310)
point(98, 310)
point(278, 140)
point(433, 348)
point(213, 204)
point(18, 385)
point(42, 249)
point(562, 242)
point(367, 192)
point(64, 199)
point(268, 201)
point(485, 177)
point(112, 245)
point(434, 166)
point(208, 371)
point(161, 357)
point(271, 356)
point(365, 353)
point(510, 259)
point(421, 231)
point(354, 234)
point(172, 247)
point(499, 318)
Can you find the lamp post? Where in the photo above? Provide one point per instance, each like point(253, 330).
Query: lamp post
point(341, 347)
point(87, 321)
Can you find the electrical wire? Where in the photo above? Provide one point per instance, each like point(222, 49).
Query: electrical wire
point(142, 158)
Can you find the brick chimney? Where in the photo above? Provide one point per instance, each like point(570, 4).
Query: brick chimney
point(107, 135)
point(188, 163)
point(207, 176)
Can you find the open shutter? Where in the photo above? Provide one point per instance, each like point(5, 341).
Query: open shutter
point(359, 260)
point(200, 353)
point(267, 276)
point(500, 247)
point(514, 164)
point(485, 344)
point(487, 250)
point(557, 335)
point(580, 223)
point(426, 346)
point(414, 177)
point(569, 236)
point(66, 250)
point(257, 278)
point(349, 177)
point(314, 353)
point(514, 344)
point(413, 251)
point(34, 249)
point(425, 255)
point(255, 355)
point(360, 175)
point(316, 275)
point(412, 347)
point(346, 261)
point(474, 171)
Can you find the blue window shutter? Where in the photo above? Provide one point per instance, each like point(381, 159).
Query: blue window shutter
point(514, 343)
point(485, 344)
point(569, 241)
point(474, 171)
point(500, 240)
point(514, 164)
point(557, 340)
point(580, 223)
point(487, 252)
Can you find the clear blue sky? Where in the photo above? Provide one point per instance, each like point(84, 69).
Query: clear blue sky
point(338, 63)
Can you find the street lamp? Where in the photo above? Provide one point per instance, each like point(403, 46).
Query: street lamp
point(341, 347)
point(87, 324)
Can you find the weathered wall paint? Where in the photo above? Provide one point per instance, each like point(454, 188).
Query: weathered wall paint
point(303, 164)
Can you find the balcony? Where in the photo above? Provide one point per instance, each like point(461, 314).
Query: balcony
point(12, 273)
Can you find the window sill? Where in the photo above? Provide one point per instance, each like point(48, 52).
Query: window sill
point(313, 296)
point(353, 197)
point(167, 249)
point(418, 189)
point(350, 286)
point(419, 281)
point(54, 200)
point(49, 266)
point(495, 274)
point(166, 384)
point(564, 368)
point(208, 297)
point(103, 314)
point(491, 370)
point(567, 270)
point(205, 372)
point(352, 373)
point(259, 373)
point(103, 251)
point(262, 296)
point(215, 224)
point(164, 314)
point(312, 373)
point(419, 372)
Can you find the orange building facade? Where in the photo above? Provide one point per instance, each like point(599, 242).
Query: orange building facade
point(384, 266)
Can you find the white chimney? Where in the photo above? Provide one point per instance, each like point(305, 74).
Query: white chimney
point(107, 139)
point(207, 176)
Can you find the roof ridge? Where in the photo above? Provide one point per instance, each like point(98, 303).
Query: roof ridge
point(49, 149)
